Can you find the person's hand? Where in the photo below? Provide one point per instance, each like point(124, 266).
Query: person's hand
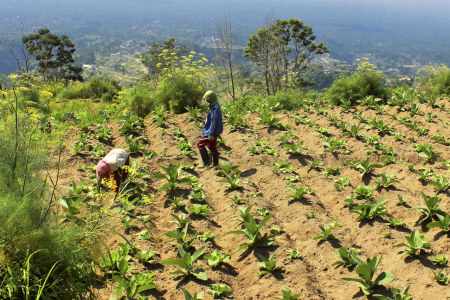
point(210, 138)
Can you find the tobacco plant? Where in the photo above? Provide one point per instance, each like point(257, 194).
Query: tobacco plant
point(287, 294)
point(199, 210)
point(173, 172)
point(441, 278)
point(187, 263)
point(253, 233)
point(269, 265)
point(430, 208)
point(443, 223)
point(385, 181)
point(415, 243)
point(348, 257)
point(366, 272)
point(293, 254)
point(371, 210)
point(439, 260)
point(181, 237)
point(366, 167)
point(397, 293)
point(326, 234)
point(215, 258)
point(220, 290)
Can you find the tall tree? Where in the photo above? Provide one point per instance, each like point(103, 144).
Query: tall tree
point(156, 58)
point(224, 50)
point(54, 55)
point(284, 48)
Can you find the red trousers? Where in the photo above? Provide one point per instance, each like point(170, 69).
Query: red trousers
point(210, 144)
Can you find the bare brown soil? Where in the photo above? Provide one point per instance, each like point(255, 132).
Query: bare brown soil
point(313, 275)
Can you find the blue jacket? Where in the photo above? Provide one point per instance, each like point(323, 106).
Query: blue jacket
point(214, 124)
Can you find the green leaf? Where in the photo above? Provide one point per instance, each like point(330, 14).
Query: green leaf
point(200, 274)
point(384, 278)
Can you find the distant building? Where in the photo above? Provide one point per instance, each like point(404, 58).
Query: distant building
point(88, 67)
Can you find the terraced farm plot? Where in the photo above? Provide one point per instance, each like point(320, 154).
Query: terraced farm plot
point(330, 171)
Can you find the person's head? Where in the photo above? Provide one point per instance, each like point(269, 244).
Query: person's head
point(102, 170)
point(210, 97)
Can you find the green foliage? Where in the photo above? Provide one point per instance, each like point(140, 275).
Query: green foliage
point(215, 258)
point(397, 293)
point(439, 260)
point(326, 233)
point(442, 86)
point(269, 265)
point(173, 172)
point(366, 167)
point(140, 99)
point(253, 233)
point(293, 254)
point(357, 86)
point(196, 296)
point(187, 263)
point(179, 92)
point(430, 208)
point(199, 210)
point(218, 290)
point(366, 272)
point(443, 223)
point(385, 181)
point(287, 294)
point(348, 257)
point(371, 210)
point(415, 243)
point(298, 193)
point(441, 278)
point(181, 237)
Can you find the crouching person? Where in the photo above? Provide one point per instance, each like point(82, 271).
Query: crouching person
point(110, 168)
point(213, 127)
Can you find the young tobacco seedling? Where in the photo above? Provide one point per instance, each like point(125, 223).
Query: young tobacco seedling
point(430, 209)
point(326, 231)
point(173, 172)
point(253, 233)
point(295, 149)
point(232, 175)
point(363, 191)
point(298, 193)
point(441, 260)
point(314, 165)
point(335, 223)
point(180, 221)
point(429, 154)
point(396, 223)
point(310, 215)
point(220, 290)
point(350, 200)
point(176, 202)
point(215, 258)
point(348, 257)
point(146, 256)
point(237, 201)
point(366, 272)
point(199, 210)
point(397, 293)
point(331, 171)
point(443, 223)
point(262, 212)
point(187, 262)
point(207, 236)
point(261, 162)
point(293, 254)
point(269, 265)
point(341, 182)
point(181, 238)
point(196, 296)
point(401, 200)
point(441, 183)
point(385, 181)
point(354, 131)
point(415, 243)
point(441, 278)
point(366, 167)
point(371, 210)
point(287, 294)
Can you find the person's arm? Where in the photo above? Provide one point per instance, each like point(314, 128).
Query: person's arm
point(213, 123)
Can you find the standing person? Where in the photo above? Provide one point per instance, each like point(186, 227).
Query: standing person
point(213, 127)
point(109, 167)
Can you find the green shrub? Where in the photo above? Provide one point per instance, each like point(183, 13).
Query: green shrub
point(356, 87)
point(107, 97)
point(95, 88)
point(69, 93)
point(31, 244)
point(140, 99)
point(289, 100)
point(179, 92)
point(442, 84)
point(29, 98)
